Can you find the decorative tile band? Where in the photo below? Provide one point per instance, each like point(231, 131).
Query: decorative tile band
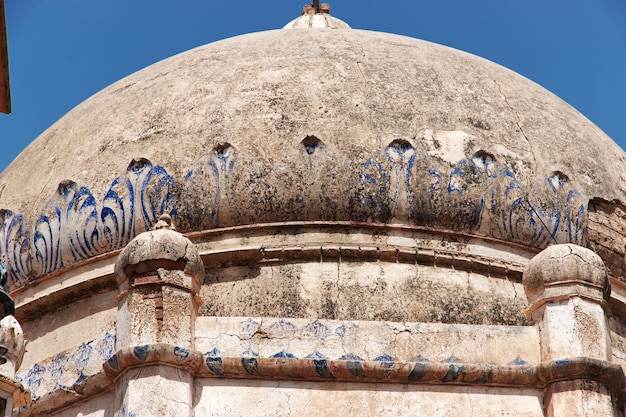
point(229, 187)
point(68, 368)
point(352, 368)
point(349, 369)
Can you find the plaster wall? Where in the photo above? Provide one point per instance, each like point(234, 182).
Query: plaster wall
point(101, 406)
point(219, 397)
point(618, 340)
point(348, 290)
point(266, 337)
point(71, 325)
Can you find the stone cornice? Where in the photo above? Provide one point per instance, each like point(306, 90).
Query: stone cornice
point(355, 370)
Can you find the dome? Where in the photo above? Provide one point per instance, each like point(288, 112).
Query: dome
point(321, 125)
point(319, 220)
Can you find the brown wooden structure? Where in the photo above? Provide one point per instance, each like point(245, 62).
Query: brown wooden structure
point(5, 90)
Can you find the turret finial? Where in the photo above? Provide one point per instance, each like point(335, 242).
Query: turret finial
point(316, 8)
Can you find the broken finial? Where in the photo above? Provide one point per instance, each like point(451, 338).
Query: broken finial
point(308, 9)
point(315, 8)
point(165, 222)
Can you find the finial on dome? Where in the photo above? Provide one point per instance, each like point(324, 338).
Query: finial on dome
point(316, 8)
point(316, 15)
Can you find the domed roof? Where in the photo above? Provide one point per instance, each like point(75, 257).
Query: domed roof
point(309, 125)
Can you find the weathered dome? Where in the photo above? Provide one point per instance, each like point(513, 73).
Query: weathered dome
point(307, 125)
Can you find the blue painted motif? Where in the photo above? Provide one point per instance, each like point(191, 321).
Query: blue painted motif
point(81, 359)
point(311, 144)
point(106, 346)
point(353, 363)
point(249, 362)
point(283, 354)
point(282, 328)
point(33, 378)
point(453, 374)
point(385, 181)
point(340, 330)
point(126, 413)
point(316, 329)
point(67, 229)
point(518, 361)
point(419, 358)
point(321, 365)
point(180, 353)
point(210, 178)
point(386, 361)
point(56, 369)
point(141, 352)
point(418, 372)
point(135, 201)
point(249, 327)
point(351, 357)
point(113, 362)
point(451, 359)
point(478, 195)
point(315, 355)
point(321, 368)
point(250, 365)
point(14, 249)
point(213, 361)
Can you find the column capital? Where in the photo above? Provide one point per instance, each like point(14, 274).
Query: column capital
point(565, 271)
point(160, 249)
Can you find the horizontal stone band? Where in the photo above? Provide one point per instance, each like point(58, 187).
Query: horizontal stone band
point(355, 370)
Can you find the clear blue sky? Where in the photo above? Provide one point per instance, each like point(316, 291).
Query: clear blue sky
point(63, 51)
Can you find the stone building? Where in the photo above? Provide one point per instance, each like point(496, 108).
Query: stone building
point(317, 220)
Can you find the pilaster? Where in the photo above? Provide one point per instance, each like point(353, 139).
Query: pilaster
point(159, 275)
point(567, 289)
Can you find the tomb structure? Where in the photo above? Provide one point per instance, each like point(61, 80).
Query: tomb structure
point(317, 220)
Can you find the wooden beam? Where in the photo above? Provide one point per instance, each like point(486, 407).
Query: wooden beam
point(5, 90)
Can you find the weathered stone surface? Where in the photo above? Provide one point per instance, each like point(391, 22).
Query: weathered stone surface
point(567, 287)
point(606, 229)
point(563, 271)
point(363, 291)
point(294, 125)
point(370, 341)
point(160, 273)
point(579, 399)
point(11, 337)
point(63, 329)
point(154, 391)
point(69, 369)
point(100, 406)
point(161, 249)
point(293, 398)
point(348, 181)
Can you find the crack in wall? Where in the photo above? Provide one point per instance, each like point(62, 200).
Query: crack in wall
point(530, 148)
point(469, 400)
point(518, 121)
point(366, 83)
